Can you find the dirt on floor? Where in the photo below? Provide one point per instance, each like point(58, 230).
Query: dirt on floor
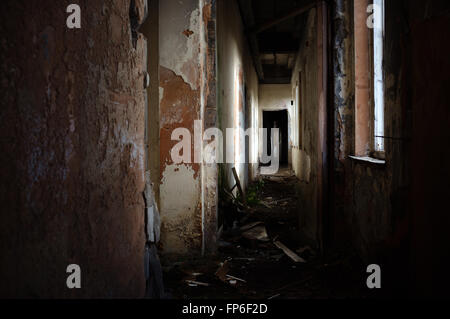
point(250, 264)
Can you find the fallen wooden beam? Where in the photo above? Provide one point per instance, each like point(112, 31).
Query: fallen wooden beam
point(236, 278)
point(222, 272)
point(238, 183)
point(197, 283)
point(296, 258)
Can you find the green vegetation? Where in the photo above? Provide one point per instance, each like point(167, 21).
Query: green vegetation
point(253, 192)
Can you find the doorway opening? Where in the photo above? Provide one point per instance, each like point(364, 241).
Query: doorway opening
point(277, 119)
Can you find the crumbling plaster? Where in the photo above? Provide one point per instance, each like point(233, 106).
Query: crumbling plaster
point(389, 212)
point(72, 169)
point(187, 95)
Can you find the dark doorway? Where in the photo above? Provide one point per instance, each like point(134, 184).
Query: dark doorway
point(272, 119)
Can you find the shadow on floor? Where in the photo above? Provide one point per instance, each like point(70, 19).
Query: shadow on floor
point(255, 268)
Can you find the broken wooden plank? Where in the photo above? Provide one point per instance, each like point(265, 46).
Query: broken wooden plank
point(236, 278)
point(257, 233)
point(296, 258)
point(238, 183)
point(198, 283)
point(234, 199)
point(222, 272)
point(229, 194)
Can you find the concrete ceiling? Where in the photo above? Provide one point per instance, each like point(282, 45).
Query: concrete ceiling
point(274, 29)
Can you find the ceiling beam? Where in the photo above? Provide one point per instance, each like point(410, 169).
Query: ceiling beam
point(286, 16)
point(274, 70)
point(276, 80)
point(281, 51)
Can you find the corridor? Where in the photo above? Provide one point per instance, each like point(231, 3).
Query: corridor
point(262, 270)
point(224, 149)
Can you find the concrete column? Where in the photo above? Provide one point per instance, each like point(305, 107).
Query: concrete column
point(187, 100)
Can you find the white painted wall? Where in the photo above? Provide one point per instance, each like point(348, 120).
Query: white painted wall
point(275, 97)
point(236, 71)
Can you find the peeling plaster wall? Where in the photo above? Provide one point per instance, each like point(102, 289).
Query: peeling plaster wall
point(187, 94)
point(344, 101)
point(369, 199)
point(304, 161)
point(365, 194)
point(393, 214)
point(235, 73)
point(72, 145)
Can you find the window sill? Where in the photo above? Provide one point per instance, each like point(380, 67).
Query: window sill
point(369, 160)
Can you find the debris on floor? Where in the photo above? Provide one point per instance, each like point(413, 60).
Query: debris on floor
point(250, 226)
point(194, 283)
point(222, 272)
point(257, 233)
point(236, 278)
point(296, 258)
point(306, 252)
point(260, 255)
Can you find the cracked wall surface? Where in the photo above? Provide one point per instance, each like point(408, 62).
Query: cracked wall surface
point(187, 96)
point(72, 139)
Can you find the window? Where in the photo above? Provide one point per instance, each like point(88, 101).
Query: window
point(297, 114)
point(300, 112)
point(378, 79)
point(369, 79)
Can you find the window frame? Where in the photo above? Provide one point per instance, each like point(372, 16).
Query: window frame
point(377, 134)
point(367, 133)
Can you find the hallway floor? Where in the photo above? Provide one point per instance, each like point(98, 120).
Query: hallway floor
point(256, 268)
